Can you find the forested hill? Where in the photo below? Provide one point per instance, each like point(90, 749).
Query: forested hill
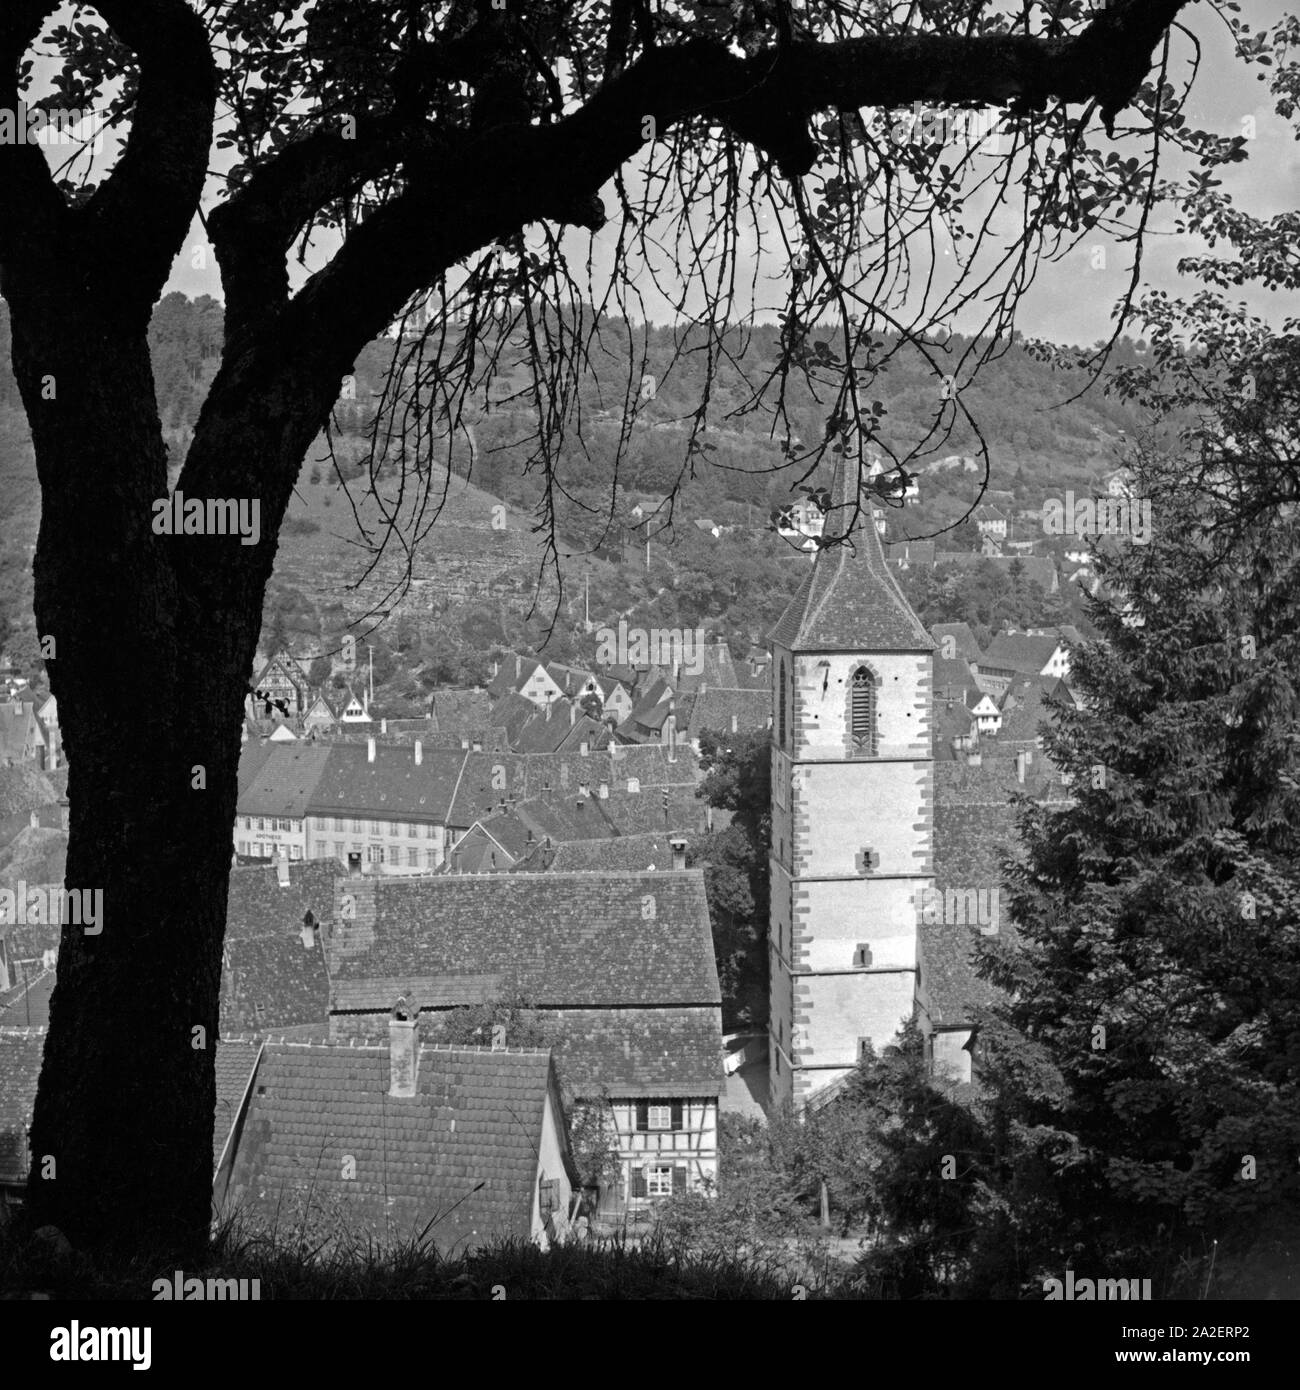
point(1034, 440)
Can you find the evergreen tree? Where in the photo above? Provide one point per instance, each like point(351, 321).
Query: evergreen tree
point(1146, 1061)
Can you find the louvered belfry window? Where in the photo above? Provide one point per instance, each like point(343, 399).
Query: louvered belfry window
point(862, 711)
point(780, 727)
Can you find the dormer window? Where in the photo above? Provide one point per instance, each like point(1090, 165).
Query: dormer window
point(862, 711)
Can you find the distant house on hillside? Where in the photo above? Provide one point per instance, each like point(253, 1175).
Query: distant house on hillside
point(22, 740)
point(992, 521)
point(1041, 653)
point(280, 686)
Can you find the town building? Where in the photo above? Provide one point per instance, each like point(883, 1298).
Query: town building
point(852, 800)
point(618, 967)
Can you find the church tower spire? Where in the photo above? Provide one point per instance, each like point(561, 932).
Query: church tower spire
point(852, 804)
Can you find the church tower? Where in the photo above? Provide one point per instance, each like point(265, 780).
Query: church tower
point(852, 807)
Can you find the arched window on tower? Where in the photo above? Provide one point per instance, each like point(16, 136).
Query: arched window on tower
point(862, 711)
point(780, 702)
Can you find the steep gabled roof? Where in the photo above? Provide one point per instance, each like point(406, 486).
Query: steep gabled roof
point(578, 940)
point(965, 645)
point(460, 1157)
point(849, 600)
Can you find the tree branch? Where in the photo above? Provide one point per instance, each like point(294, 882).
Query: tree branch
point(137, 219)
point(460, 198)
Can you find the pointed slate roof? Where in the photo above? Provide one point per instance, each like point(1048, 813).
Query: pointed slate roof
point(850, 601)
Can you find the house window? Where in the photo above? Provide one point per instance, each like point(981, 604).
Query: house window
point(861, 956)
point(338, 849)
point(412, 858)
point(261, 822)
point(295, 851)
point(356, 827)
point(411, 831)
point(376, 854)
point(659, 1182)
point(242, 846)
point(663, 1115)
point(376, 828)
point(431, 858)
point(862, 711)
point(428, 832)
point(864, 1048)
point(780, 702)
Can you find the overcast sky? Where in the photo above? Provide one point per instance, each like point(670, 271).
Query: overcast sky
point(1071, 301)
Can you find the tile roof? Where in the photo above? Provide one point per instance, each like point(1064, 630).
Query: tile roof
point(392, 786)
point(461, 1154)
point(24, 787)
point(636, 853)
point(460, 711)
point(637, 1052)
point(582, 940)
point(964, 640)
point(235, 1060)
point(1020, 651)
point(283, 781)
point(849, 600)
point(27, 1004)
point(716, 709)
point(1025, 706)
point(511, 712)
point(20, 1068)
point(269, 978)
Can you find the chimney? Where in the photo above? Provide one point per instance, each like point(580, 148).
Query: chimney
point(281, 871)
point(573, 714)
point(519, 666)
point(604, 791)
point(584, 748)
point(308, 932)
point(679, 853)
point(671, 726)
point(974, 758)
point(403, 1051)
point(419, 752)
point(464, 743)
point(1021, 760)
point(370, 750)
point(734, 722)
point(383, 726)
